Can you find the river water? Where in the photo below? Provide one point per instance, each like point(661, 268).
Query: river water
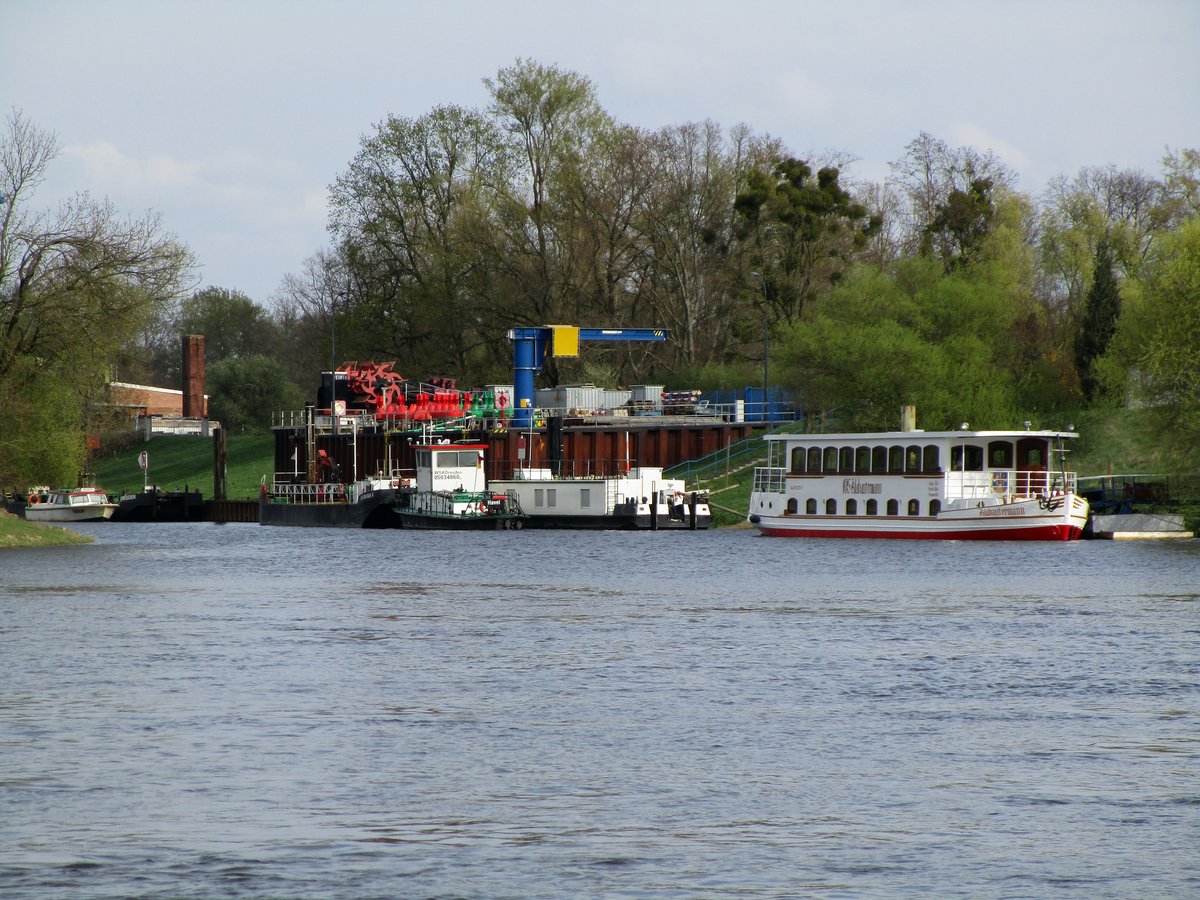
point(205, 710)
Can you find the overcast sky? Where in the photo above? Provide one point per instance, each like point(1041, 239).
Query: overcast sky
point(230, 118)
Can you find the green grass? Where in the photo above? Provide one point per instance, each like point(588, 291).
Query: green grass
point(177, 462)
point(16, 532)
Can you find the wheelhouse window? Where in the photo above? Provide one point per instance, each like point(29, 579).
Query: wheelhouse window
point(831, 507)
point(879, 459)
point(862, 459)
point(872, 507)
point(1000, 454)
point(830, 462)
point(932, 461)
point(914, 507)
point(966, 457)
point(798, 457)
point(814, 459)
point(810, 506)
point(895, 459)
point(846, 459)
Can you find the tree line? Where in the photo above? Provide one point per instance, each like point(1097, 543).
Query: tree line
point(943, 286)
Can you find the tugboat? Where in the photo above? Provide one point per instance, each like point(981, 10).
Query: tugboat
point(451, 491)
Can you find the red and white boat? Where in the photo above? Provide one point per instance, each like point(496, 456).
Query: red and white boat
point(941, 485)
point(84, 504)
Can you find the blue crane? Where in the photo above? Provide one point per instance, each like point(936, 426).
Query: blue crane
point(529, 352)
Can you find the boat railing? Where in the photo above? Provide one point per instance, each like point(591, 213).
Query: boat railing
point(329, 492)
point(769, 479)
point(1007, 482)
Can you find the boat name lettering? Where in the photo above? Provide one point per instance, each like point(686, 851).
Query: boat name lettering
point(1001, 511)
point(854, 486)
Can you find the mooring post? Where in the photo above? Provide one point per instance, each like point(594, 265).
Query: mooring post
point(219, 449)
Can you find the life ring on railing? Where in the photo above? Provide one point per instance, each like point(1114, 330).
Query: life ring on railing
point(34, 499)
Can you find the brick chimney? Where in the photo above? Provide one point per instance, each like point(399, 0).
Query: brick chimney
point(193, 376)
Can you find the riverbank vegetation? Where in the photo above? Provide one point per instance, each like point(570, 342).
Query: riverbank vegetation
point(944, 285)
point(16, 532)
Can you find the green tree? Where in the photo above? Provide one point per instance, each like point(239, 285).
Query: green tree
point(246, 392)
point(961, 225)
point(800, 233)
point(1156, 349)
point(1100, 312)
point(233, 325)
point(74, 285)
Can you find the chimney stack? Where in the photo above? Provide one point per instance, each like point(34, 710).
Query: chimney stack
point(193, 377)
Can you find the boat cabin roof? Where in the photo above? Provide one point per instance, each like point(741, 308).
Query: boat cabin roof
point(916, 436)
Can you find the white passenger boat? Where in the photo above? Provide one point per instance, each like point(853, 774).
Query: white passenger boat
point(85, 504)
point(949, 485)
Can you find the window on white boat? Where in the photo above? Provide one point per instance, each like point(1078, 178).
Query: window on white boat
point(862, 459)
point(810, 506)
point(933, 462)
point(914, 507)
point(935, 507)
point(791, 506)
point(830, 460)
point(585, 498)
point(893, 508)
point(852, 507)
point(872, 507)
point(846, 459)
point(966, 457)
point(895, 459)
point(831, 507)
point(551, 497)
point(879, 459)
point(539, 497)
point(1000, 454)
point(912, 459)
point(798, 456)
point(814, 459)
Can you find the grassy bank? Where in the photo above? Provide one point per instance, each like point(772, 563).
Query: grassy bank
point(187, 462)
point(15, 532)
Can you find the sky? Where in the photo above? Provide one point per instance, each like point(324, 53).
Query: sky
point(229, 119)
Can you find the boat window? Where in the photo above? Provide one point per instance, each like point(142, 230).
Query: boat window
point(895, 459)
point(914, 507)
point(797, 460)
point(862, 459)
point(872, 507)
point(814, 459)
point(1033, 457)
point(831, 507)
point(829, 463)
point(852, 507)
point(912, 459)
point(932, 462)
point(971, 453)
point(1000, 455)
point(893, 508)
point(423, 459)
point(552, 497)
point(879, 459)
point(935, 507)
point(810, 506)
point(585, 498)
point(539, 497)
point(846, 459)
point(791, 506)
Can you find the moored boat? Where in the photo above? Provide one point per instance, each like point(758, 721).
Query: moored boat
point(949, 485)
point(451, 492)
point(640, 499)
point(82, 504)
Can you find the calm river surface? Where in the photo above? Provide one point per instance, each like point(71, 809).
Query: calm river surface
point(204, 710)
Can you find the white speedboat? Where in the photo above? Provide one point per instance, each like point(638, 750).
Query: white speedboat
point(84, 504)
